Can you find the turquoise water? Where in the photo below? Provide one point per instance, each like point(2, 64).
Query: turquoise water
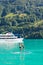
point(32, 54)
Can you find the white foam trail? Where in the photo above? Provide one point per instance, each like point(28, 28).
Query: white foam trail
point(21, 52)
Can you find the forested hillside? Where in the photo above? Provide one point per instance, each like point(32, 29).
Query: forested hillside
point(24, 17)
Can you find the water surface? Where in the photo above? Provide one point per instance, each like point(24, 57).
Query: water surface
point(32, 54)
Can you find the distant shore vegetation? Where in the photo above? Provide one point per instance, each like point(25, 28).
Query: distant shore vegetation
point(26, 20)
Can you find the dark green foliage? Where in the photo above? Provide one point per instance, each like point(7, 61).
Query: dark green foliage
point(23, 25)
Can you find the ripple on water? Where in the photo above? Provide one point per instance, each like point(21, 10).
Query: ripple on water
point(28, 52)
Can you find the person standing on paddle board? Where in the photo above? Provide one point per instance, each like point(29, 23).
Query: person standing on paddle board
point(21, 46)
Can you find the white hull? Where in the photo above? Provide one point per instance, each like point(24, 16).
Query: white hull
point(18, 40)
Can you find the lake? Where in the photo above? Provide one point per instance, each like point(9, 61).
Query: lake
point(32, 54)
